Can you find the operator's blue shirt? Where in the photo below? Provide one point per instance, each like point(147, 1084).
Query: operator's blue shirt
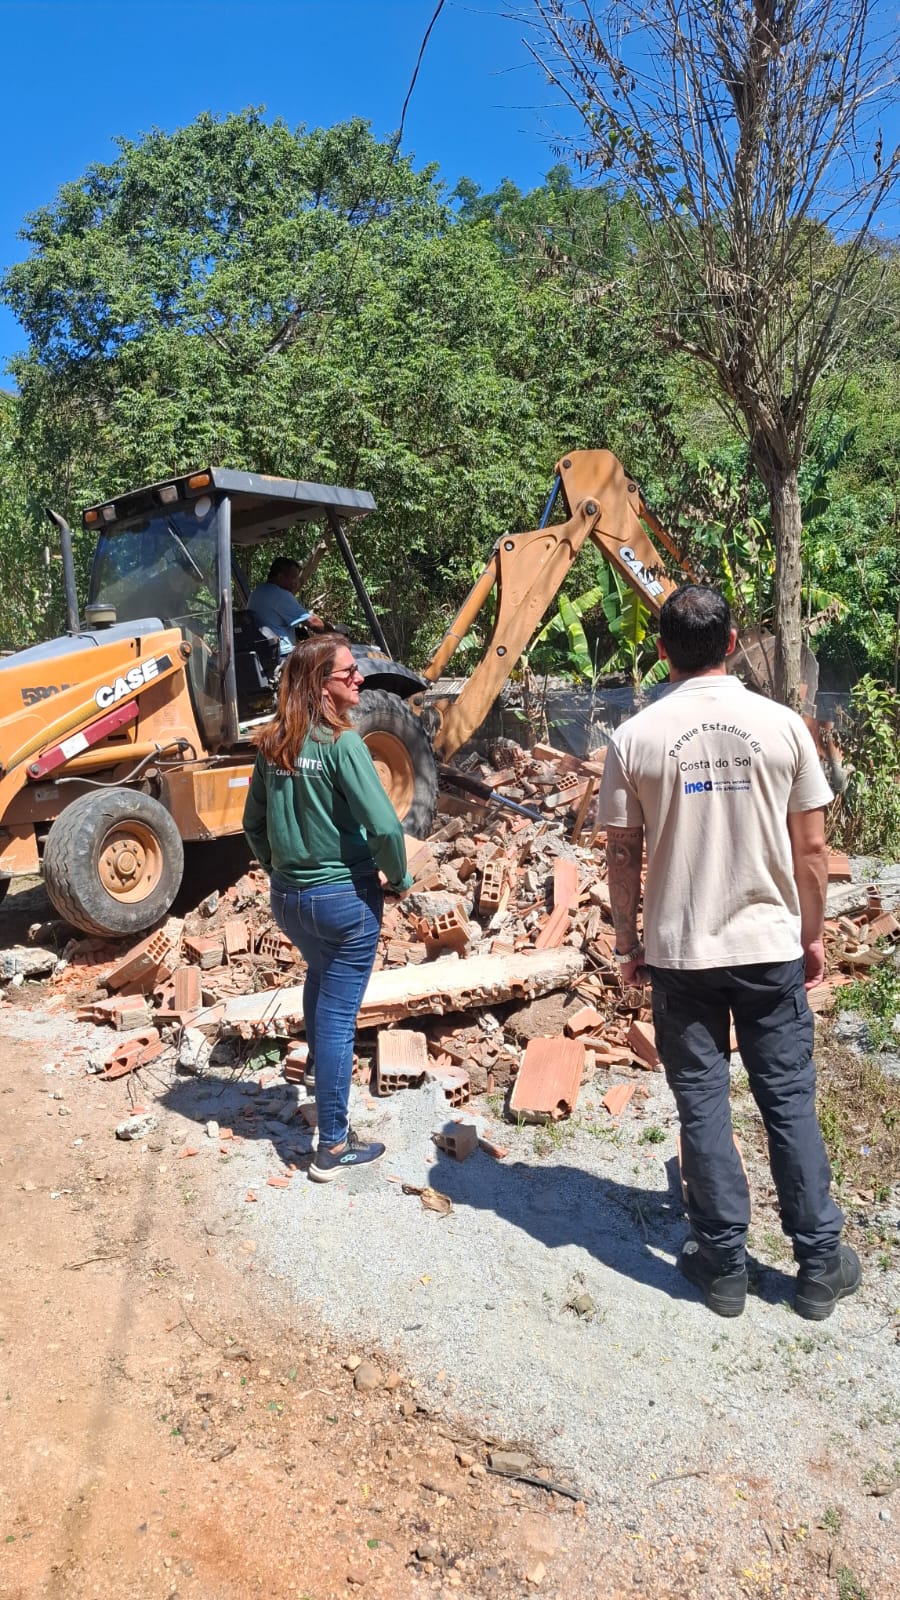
point(278, 609)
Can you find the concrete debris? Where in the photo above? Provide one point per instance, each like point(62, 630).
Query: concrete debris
point(137, 1127)
point(25, 962)
point(194, 1051)
point(436, 988)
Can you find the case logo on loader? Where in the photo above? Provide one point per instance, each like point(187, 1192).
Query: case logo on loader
point(109, 694)
point(640, 571)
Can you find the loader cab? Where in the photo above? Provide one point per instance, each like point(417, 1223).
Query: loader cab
point(173, 554)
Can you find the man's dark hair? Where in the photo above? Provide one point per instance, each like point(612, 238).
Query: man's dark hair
point(694, 626)
point(282, 567)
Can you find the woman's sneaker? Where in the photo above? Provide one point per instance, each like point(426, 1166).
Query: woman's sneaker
point(328, 1164)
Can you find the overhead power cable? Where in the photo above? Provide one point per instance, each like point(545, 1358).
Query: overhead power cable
point(395, 148)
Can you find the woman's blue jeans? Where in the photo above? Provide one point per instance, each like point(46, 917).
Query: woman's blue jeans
point(335, 926)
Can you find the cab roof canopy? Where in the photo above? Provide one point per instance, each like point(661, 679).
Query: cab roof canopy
point(261, 506)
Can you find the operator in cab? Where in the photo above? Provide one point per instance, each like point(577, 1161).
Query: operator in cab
point(275, 604)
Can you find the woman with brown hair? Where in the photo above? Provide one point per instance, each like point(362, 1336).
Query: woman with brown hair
point(320, 824)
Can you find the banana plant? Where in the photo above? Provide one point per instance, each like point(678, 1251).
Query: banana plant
point(628, 620)
point(562, 644)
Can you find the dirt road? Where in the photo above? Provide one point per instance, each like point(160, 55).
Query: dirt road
point(162, 1438)
point(172, 1431)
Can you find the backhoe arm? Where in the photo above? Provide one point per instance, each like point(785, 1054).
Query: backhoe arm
point(529, 569)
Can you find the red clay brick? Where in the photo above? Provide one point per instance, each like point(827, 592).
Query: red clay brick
point(237, 936)
point(454, 1082)
point(549, 1079)
point(493, 880)
point(642, 1040)
point(565, 883)
point(187, 989)
point(616, 1098)
point(587, 1020)
point(498, 1151)
point(457, 1139)
point(205, 949)
point(140, 965)
point(449, 931)
point(554, 931)
point(133, 1053)
point(401, 1060)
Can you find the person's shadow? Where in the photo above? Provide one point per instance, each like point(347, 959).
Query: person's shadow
point(630, 1229)
point(622, 1225)
point(238, 1104)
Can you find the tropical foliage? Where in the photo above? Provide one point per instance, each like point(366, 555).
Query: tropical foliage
point(313, 304)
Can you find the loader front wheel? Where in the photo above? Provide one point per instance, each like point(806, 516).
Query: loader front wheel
point(113, 862)
point(403, 757)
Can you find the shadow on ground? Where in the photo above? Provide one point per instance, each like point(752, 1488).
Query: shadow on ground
point(633, 1230)
point(237, 1102)
point(621, 1225)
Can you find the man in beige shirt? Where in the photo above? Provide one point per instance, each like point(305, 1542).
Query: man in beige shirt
point(725, 788)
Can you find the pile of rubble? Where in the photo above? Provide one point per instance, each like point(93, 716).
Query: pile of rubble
point(505, 907)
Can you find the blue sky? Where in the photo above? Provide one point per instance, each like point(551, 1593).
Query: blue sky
point(79, 72)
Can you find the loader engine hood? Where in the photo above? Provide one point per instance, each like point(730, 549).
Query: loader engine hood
point(71, 643)
point(51, 691)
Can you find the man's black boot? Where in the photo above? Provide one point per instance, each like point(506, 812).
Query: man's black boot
point(725, 1293)
point(819, 1288)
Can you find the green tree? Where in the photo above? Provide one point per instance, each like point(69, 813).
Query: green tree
point(26, 584)
point(749, 134)
point(309, 304)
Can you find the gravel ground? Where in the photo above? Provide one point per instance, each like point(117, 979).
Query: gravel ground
point(674, 1424)
point(647, 1399)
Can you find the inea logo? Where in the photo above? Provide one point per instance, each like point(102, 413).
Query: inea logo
point(698, 788)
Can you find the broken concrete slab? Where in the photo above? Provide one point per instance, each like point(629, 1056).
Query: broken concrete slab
point(434, 989)
point(548, 1081)
point(23, 962)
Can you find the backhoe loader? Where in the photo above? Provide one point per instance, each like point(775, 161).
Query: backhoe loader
point(132, 732)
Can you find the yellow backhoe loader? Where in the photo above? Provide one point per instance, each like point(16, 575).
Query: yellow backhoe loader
point(131, 733)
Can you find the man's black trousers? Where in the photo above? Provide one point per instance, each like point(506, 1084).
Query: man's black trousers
point(692, 1012)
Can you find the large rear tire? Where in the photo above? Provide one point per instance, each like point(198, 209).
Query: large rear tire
point(113, 862)
point(403, 757)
